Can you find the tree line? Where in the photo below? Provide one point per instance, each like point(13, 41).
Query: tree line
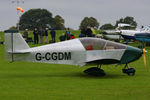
point(35, 18)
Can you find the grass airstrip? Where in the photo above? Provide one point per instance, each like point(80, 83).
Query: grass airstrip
point(37, 81)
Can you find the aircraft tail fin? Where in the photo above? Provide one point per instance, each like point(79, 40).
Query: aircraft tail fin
point(14, 42)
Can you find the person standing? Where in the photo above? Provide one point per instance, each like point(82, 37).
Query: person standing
point(26, 33)
point(41, 33)
point(53, 35)
point(83, 32)
point(36, 38)
point(142, 28)
point(62, 37)
point(46, 35)
point(89, 31)
point(72, 36)
point(67, 34)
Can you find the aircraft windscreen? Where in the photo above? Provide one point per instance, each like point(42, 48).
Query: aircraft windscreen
point(147, 28)
point(99, 44)
point(112, 45)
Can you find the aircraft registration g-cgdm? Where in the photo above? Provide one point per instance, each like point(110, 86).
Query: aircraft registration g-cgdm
point(80, 51)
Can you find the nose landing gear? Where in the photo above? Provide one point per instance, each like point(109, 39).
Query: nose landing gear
point(128, 70)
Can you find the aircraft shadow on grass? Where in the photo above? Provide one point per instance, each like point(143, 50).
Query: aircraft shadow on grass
point(66, 75)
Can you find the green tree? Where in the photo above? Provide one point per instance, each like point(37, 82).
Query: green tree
point(127, 20)
point(13, 27)
point(35, 18)
point(89, 21)
point(59, 23)
point(107, 27)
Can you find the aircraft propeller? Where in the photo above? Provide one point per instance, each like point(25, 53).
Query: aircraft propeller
point(144, 54)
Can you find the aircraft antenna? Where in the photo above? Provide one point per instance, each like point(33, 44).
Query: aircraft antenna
point(12, 47)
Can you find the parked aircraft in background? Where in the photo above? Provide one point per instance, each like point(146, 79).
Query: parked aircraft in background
point(130, 34)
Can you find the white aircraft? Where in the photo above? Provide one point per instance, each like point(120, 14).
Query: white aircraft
point(124, 25)
point(115, 34)
point(81, 51)
point(130, 34)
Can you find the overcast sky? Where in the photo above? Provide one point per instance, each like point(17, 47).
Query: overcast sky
point(73, 11)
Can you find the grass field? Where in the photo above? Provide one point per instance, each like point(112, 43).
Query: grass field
point(37, 81)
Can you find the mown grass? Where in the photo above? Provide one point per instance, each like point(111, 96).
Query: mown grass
point(37, 81)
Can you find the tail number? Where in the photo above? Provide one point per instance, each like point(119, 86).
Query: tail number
point(53, 56)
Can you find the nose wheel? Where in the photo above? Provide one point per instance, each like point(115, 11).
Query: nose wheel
point(129, 71)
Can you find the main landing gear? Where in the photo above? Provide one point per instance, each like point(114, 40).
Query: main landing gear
point(128, 70)
point(95, 71)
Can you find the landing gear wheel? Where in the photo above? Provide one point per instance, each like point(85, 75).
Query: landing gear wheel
point(131, 74)
point(129, 71)
point(95, 71)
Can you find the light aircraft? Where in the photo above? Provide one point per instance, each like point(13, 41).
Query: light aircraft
point(130, 34)
point(81, 51)
point(112, 35)
point(143, 36)
point(126, 34)
point(117, 33)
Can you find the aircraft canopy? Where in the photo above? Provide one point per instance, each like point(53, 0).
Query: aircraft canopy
point(100, 44)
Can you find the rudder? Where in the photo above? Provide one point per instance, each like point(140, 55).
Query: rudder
point(13, 42)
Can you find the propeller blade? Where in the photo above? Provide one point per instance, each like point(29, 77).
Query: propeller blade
point(144, 55)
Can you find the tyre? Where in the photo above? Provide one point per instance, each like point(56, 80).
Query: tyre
point(94, 71)
point(130, 71)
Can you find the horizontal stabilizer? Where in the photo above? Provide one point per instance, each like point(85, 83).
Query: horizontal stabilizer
point(20, 52)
